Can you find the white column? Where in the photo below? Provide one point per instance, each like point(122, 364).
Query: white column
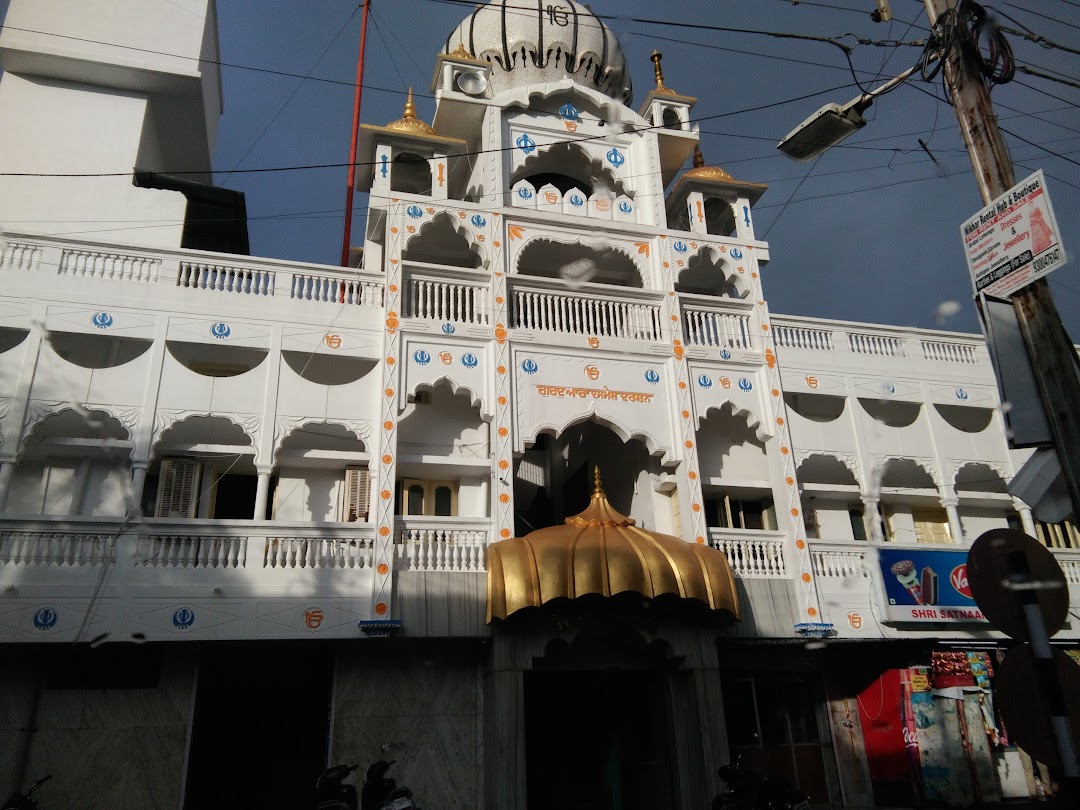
point(1026, 518)
point(7, 470)
point(138, 484)
point(744, 220)
point(950, 502)
point(695, 207)
point(262, 492)
point(872, 518)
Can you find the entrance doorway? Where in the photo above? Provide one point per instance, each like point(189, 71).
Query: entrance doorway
point(597, 740)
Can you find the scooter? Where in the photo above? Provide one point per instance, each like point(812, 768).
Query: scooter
point(381, 793)
point(749, 791)
point(330, 791)
point(25, 801)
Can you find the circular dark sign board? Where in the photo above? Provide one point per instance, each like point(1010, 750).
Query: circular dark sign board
point(1027, 717)
point(991, 563)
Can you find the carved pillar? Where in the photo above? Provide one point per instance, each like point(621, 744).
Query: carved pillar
point(951, 502)
point(262, 492)
point(7, 470)
point(1026, 518)
point(138, 484)
point(872, 517)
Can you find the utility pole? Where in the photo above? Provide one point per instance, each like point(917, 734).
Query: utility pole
point(1049, 348)
point(1053, 358)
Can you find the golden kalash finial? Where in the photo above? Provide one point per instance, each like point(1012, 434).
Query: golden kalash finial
point(703, 172)
point(461, 53)
point(409, 122)
point(599, 512)
point(598, 485)
point(658, 72)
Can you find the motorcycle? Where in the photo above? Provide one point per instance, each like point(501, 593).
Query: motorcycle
point(25, 801)
point(330, 791)
point(750, 791)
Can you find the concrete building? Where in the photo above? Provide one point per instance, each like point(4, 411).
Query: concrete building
point(260, 516)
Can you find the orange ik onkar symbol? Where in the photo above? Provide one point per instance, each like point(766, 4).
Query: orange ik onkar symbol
point(592, 372)
point(332, 341)
point(313, 618)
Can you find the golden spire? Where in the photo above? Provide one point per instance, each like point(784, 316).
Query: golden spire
point(599, 512)
point(598, 485)
point(703, 172)
point(658, 73)
point(461, 53)
point(409, 122)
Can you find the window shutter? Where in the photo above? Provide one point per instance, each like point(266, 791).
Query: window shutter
point(354, 503)
point(178, 487)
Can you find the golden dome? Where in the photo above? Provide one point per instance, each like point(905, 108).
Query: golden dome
point(703, 172)
point(602, 552)
point(409, 122)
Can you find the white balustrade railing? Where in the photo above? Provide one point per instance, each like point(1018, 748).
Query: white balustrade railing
point(722, 329)
point(20, 256)
point(316, 552)
point(223, 278)
point(949, 352)
point(1070, 564)
point(448, 301)
point(192, 551)
point(586, 315)
point(878, 345)
point(56, 548)
point(441, 548)
point(336, 290)
point(109, 266)
point(751, 557)
point(801, 337)
point(839, 563)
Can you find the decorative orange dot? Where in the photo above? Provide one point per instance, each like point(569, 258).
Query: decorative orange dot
point(779, 420)
point(784, 451)
point(776, 392)
point(805, 577)
point(498, 275)
point(504, 464)
point(497, 243)
point(790, 481)
point(504, 533)
point(800, 544)
point(503, 431)
point(498, 299)
point(764, 327)
point(504, 498)
point(384, 531)
point(794, 512)
point(666, 264)
point(686, 414)
point(389, 392)
point(383, 569)
point(502, 400)
point(393, 230)
point(682, 386)
point(390, 361)
point(692, 475)
point(388, 425)
point(387, 458)
point(696, 507)
point(699, 540)
point(381, 609)
point(386, 494)
point(501, 369)
point(753, 275)
point(811, 611)
point(675, 318)
point(689, 444)
point(393, 288)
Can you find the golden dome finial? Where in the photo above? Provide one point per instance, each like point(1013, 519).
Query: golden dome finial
point(703, 172)
point(460, 52)
point(699, 159)
point(658, 73)
point(409, 121)
point(598, 486)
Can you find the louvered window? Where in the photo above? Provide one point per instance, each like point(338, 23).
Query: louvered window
point(178, 487)
point(355, 496)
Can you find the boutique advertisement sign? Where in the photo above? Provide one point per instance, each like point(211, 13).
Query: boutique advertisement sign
point(927, 586)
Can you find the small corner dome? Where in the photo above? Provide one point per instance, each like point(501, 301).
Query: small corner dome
point(556, 41)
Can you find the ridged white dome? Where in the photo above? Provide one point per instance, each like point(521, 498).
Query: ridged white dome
point(550, 43)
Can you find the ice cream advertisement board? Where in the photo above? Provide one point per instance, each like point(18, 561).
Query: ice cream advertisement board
point(927, 586)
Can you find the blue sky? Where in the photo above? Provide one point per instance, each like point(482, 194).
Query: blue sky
point(870, 234)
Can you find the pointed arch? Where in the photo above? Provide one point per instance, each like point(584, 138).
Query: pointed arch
point(708, 272)
point(582, 260)
point(228, 428)
point(568, 164)
point(353, 432)
point(476, 398)
point(979, 476)
point(444, 240)
point(555, 429)
point(70, 420)
point(827, 468)
point(753, 422)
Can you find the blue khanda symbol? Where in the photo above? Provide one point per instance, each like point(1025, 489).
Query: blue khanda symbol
point(651, 377)
point(448, 329)
point(526, 144)
point(725, 354)
point(704, 381)
point(414, 211)
point(530, 367)
point(616, 158)
point(421, 357)
point(680, 247)
point(568, 112)
point(102, 320)
point(736, 254)
point(961, 394)
point(888, 388)
point(745, 385)
point(525, 193)
point(576, 201)
point(220, 330)
point(183, 618)
point(469, 361)
point(45, 619)
point(626, 207)
point(478, 221)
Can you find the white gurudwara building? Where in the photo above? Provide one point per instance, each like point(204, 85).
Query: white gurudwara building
point(539, 491)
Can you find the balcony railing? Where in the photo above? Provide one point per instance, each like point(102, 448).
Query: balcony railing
point(751, 554)
point(441, 544)
point(839, 562)
point(192, 270)
point(600, 313)
point(800, 337)
point(455, 295)
point(706, 327)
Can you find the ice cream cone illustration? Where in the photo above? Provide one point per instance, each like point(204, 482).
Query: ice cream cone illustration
point(905, 574)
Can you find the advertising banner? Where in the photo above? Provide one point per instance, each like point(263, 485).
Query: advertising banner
point(927, 586)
